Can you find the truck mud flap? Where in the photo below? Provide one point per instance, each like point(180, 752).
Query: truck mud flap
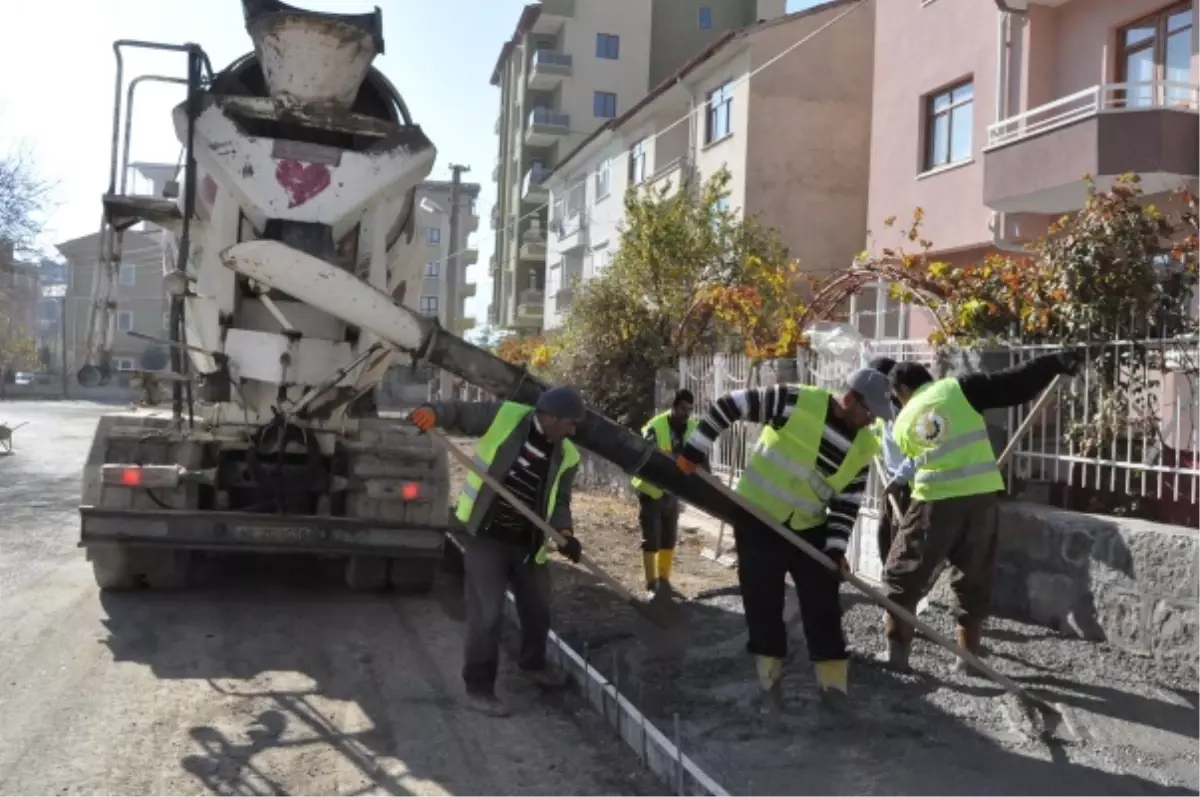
point(248, 531)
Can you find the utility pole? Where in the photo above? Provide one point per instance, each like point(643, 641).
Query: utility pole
point(452, 309)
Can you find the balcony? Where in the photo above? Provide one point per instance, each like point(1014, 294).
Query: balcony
point(1034, 162)
point(495, 217)
point(496, 173)
point(533, 250)
point(546, 127)
point(553, 14)
point(572, 232)
point(494, 265)
point(466, 290)
point(667, 180)
point(464, 324)
point(547, 68)
point(533, 188)
point(468, 257)
point(530, 308)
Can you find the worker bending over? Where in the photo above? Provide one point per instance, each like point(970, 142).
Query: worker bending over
point(808, 471)
point(955, 489)
point(658, 512)
point(526, 449)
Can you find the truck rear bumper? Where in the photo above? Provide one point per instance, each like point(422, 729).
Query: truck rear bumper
point(248, 531)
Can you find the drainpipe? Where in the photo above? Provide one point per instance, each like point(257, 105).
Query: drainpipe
point(1003, 34)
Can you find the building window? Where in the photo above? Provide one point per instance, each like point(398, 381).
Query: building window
point(720, 208)
point(637, 163)
point(128, 274)
point(603, 179)
point(432, 269)
point(433, 235)
point(608, 46)
point(704, 18)
point(948, 118)
point(429, 305)
point(604, 105)
point(720, 104)
point(1156, 48)
point(124, 321)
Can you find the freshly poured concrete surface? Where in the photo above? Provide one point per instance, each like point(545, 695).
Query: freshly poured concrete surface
point(268, 679)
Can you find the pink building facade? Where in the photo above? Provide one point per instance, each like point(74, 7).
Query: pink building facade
point(987, 113)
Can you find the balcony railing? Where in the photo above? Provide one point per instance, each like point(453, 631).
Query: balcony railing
point(551, 58)
point(1104, 98)
point(548, 118)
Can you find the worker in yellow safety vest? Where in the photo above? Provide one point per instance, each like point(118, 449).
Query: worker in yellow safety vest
point(955, 490)
point(658, 511)
point(526, 449)
point(808, 471)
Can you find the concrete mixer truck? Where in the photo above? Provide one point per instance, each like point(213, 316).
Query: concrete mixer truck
point(289, 243)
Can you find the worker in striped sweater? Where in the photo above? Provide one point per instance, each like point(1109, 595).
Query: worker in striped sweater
point(808, 471)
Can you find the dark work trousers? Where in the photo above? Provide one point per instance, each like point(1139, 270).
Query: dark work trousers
point(489, 568)
point(961, 531)
point(889, 522)
point(659, 519)
point(764, 559)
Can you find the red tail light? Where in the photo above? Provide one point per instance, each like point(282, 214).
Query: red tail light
point(410, 491)
point(131, 477)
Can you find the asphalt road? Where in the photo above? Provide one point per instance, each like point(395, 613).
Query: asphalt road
point(269, 679)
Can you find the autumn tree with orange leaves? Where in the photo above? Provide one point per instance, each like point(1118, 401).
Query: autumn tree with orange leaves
point(690, 275)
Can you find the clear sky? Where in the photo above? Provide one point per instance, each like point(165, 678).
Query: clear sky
point(56, 95)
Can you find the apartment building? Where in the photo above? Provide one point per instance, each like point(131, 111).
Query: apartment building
point(988, 114)
point(570, 67)
point(438, 198)
point(794, 134)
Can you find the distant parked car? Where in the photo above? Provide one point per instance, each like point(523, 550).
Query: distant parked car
point(23, 378)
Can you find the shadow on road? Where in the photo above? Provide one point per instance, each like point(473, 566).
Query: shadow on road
point(254, 616)
point(895, 740)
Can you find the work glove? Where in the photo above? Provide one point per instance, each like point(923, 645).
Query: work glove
point(1070, 361)
point(685, 464)
point(843, 567)
point(424, 418)
point(570, 547)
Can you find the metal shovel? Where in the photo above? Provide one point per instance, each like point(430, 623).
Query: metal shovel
point(663, 615)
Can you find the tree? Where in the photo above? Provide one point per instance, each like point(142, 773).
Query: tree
point(669, 293)
point(24, 202)
point(154, 358)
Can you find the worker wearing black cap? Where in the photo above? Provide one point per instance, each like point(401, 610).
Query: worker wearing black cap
point(527, 449)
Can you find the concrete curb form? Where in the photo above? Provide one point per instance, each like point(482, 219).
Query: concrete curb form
point(657, 753)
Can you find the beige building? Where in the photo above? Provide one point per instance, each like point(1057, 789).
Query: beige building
point(795, 137)
point(570, 67)
point(436, 289)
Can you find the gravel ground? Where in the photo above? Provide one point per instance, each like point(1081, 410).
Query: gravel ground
point(931, 732)
point(269, 678)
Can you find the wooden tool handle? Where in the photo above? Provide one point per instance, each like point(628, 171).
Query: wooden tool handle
point(1034, 412)
point(1005, 682)
point(502, 491)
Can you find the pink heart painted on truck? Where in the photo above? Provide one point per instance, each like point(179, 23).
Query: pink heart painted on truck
point(302, 181)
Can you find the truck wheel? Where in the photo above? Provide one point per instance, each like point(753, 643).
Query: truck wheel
point(367, 573)
point(167, 569)
point(413, 576)
point(110, 568)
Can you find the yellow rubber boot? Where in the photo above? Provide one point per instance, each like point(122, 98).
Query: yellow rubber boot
point(650, 565)
point(666, 558)
point(832, 675)
point(770, 681)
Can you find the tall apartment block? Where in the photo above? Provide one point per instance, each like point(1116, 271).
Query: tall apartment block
point(570, 67)
point(442, 294)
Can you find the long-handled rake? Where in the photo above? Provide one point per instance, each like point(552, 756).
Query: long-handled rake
point(669, 632)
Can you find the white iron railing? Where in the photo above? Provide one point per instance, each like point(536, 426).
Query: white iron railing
point(1104, 98)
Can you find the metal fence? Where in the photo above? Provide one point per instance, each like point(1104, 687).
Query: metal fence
point(1143, 463)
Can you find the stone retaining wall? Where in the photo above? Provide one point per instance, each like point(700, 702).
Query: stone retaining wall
point(1133, 583)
